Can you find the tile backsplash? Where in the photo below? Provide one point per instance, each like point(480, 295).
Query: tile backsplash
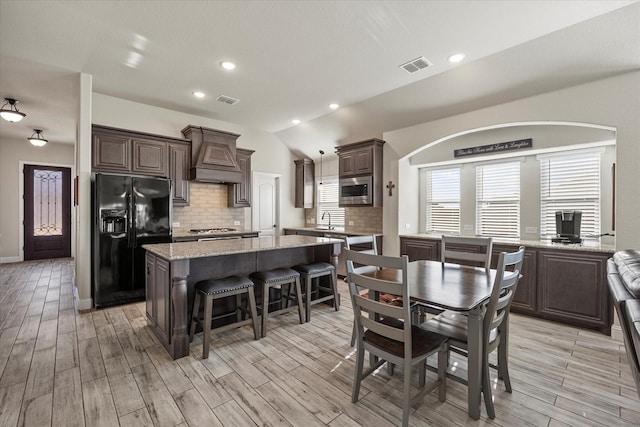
point(365, 219)
point(207, 208)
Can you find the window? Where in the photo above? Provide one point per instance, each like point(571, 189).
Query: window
point(570, 182)
point(498, 199)
point(328, 202)
point(443, 200)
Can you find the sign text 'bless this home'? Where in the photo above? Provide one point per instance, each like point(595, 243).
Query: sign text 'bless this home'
point(493, 148)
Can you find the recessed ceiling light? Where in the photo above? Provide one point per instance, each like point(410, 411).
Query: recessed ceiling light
point(334, 106)
point(227, 65)
point(457, 57)
point(295, 121)
point(198, 94)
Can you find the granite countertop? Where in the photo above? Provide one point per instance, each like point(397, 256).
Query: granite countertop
point(588, 245)
point(184, 233)
point(338, 230)
point(187, 250)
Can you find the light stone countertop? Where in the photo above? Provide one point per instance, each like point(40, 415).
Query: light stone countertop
point(212, 248)
point(338, 231)
point(586, 246)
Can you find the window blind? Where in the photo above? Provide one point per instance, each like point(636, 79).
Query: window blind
point(328, 193)
point(498, 199)
point(443, 200)
point(570, 182)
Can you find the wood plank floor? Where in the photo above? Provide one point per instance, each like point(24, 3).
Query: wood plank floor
point(62, 368)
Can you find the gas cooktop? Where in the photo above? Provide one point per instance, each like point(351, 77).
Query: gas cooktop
point(211, 230)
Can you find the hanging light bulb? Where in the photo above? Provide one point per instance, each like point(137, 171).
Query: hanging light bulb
point(37, 139)
point(321, 154)
point(11, 114)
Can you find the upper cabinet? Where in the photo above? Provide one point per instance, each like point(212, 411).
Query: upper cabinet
point(239, 195)
point(129, 152)
point(362, 159)
point(305, 183)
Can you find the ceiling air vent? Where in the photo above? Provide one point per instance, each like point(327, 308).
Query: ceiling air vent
point(416, 65)
point(227, 99)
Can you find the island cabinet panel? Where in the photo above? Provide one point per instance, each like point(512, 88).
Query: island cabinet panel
point(110, 153)
point(158, 288)
point(525, 299)
point(572, 288)
point(417, 249)
point(149, 157)
point(179, 165)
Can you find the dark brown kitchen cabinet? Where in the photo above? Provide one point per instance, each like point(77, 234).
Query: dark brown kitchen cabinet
point(149, 157)
point(572, 288)
point(239, 195)
point(179, 165)
point(305, 183)
point(127, 151)
point(110, 152)
point(360, 158)
point(158, 294)
point(417, 249)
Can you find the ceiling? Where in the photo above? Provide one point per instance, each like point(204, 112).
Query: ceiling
point(294, 58)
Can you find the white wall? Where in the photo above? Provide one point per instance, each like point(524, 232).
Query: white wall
point(12, 152)
point(610, 102)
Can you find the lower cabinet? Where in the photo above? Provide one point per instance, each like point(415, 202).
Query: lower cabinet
point(564, 285)
point(158, 295)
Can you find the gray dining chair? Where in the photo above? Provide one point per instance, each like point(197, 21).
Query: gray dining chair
point(386, 331)
point(495, 326)
point(473, 251)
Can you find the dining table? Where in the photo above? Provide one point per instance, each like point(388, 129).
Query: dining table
point(454, 287)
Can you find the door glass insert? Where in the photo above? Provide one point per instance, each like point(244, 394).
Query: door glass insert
point(47, 203)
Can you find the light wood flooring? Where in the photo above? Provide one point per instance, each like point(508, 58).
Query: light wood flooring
point(105, 368)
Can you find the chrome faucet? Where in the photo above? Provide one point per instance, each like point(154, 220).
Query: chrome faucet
point(322, 219)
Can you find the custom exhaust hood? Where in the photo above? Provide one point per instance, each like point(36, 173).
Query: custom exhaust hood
point(213, 155)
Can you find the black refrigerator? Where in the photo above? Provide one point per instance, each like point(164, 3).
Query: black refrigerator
point(128, 212)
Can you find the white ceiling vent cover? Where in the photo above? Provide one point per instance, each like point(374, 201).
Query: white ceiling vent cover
point(227, 99)
point(416, 65)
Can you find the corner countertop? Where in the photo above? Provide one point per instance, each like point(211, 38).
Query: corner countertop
point(212, 248)
point(586, 246)
point(337, 231)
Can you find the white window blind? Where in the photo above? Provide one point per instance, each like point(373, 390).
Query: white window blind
point(570, 182)
point(328, 193)
point(443, 200)
point(498, 199)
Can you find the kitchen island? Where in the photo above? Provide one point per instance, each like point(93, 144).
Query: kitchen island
point(172, 269)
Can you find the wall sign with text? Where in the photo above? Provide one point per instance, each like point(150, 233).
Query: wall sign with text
point(494, 148)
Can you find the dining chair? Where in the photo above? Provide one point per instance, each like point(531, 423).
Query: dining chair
point(386, 331)
point(466, 250)
point(495, 326)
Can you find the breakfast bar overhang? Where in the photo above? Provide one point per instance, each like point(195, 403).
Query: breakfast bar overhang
point(173, 268)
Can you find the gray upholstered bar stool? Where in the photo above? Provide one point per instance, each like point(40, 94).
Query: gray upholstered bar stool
point(277, 277)
point(314, 271)
point(213, 289)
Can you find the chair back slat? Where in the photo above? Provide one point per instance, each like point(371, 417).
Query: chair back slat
point(381, 308)
point(481, 247)
point(368, 241)
point(382, 329)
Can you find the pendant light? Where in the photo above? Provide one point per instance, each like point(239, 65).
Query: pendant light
point(11, 114)
point(321, 154)
point(37, 139)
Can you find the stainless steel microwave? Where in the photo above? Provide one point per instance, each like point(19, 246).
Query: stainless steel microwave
point(356, 191)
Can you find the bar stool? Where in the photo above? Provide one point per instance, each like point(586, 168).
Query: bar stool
point(314, 271)
point(277, 277)
point(213, 289)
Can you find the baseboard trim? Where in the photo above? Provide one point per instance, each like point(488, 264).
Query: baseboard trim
point(8, 259)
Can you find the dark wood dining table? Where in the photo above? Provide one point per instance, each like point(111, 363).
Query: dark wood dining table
point(458, 288)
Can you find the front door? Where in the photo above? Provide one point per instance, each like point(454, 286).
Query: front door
point(47, 212)
point(264, 204)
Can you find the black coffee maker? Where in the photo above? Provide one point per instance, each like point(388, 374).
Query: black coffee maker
point(568, 227)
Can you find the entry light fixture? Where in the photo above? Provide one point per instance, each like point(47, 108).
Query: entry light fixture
point(11, 114)
point(334, 106)
point(37, 139)
point(295, 121)
point(228, 65)
point(456, 58)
